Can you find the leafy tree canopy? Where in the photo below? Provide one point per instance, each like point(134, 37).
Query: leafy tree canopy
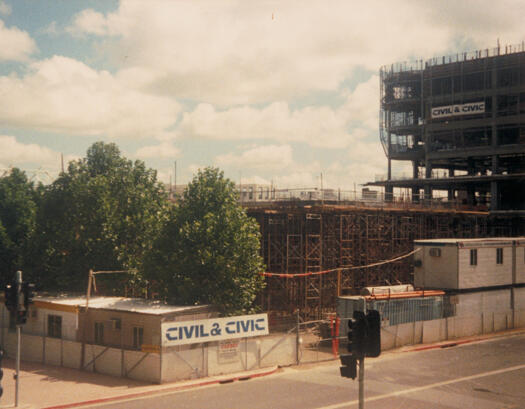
point(17, 222)
point(101, 214)
point(208, 250)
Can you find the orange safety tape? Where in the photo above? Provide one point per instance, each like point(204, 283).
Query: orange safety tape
point(281, 275)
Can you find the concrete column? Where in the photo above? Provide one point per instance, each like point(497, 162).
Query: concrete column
point(389, 193)
point(428, 175)
point(415, 175)
point(495, 165)
point(428, 193)
point(494, 196)
point(415, 195)
point(451, 190)
point(471, 196)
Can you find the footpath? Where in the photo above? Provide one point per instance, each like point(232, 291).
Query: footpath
point(52, 387)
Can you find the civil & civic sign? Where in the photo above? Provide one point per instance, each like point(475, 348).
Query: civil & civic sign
point(215, 329)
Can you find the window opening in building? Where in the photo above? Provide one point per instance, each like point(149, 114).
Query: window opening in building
point(138, 337)
point(474, 257)
point(99, 333)
point(54, 326)
point(499, 256)
point(435, 252)
point(116, 323)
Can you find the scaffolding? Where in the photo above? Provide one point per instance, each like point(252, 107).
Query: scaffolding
point(298, 243)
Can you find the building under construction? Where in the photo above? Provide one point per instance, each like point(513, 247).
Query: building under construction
point(460, 120)
point(315, 252)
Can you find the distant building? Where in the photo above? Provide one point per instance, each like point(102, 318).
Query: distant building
point(255, 193)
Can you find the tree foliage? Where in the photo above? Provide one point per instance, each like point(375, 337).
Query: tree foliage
point(208, 250)
point(17, 222)
point(102, 214)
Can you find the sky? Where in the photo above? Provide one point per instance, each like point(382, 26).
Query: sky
point(272, 92)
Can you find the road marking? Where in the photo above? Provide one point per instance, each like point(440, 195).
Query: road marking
point(422, 388)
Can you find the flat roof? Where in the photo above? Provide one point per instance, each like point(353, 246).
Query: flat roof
point(463, 240)
point(138, 305)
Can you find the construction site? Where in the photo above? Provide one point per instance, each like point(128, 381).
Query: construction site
point(462, 114)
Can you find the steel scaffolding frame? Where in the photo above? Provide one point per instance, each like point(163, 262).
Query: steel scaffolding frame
point(299, 240)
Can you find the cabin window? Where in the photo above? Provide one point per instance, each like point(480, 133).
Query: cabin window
point(435, 252)
point(99, 333)
point(499, 256)
point(474, 257)
point(138, 337)
point(54, 326)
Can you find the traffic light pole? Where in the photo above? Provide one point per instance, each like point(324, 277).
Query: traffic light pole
point(17, 374)
point(362, 372)
point(362, 382)
point(18, 338)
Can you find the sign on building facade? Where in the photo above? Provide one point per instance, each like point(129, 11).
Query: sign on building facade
point(470, 108)
point(215, 329)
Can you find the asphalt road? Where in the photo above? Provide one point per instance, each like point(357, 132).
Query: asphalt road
point(483, 375)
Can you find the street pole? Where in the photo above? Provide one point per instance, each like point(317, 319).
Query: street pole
point(362, 372)
point(17, 374)
point(297, 334)
point(362, 383)
point(18, 336)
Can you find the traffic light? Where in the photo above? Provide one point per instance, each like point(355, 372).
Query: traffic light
point(373, 334)
point(349, 368)
point(29, 292)
point(11, 297)
point(1, 372)
point(357, 334)
point(351, 334)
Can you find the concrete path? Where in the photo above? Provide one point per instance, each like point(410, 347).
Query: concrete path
point(46, 386)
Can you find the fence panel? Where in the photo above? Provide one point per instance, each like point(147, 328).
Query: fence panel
point(142, 366)
point(184, 362)
point(318, 340)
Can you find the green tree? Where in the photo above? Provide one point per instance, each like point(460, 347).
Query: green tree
point(208, 250)
point(102, 214)
point(17, 222)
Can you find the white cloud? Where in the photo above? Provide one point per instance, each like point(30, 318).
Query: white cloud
point(268, 157)
point(255, 180)
point(16, 153)
point(162, 151)
point(5, 9)
point(298, 179)
point(15, 44)
point(318, 126)
point(246, 52)
point(89, 21)
point(64, 95)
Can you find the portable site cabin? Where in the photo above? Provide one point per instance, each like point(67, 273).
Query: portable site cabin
point(462, 264)
point(127, 323)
